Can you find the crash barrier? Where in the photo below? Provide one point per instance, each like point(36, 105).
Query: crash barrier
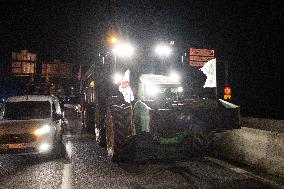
point(259, 144)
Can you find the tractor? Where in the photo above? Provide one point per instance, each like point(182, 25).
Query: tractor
point(157, 119)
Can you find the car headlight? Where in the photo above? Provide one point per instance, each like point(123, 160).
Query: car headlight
point(43, 130)
point(44, 147)
point(152, 90)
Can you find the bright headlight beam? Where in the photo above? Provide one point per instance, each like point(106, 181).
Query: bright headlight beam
point(174, 76)
point(44, 147)
point(152, 90)
point(163, 50)
point(123, 50)
point(43, 130)
point(117, 78)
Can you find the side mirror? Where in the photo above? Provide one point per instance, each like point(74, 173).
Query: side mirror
point(57, 117)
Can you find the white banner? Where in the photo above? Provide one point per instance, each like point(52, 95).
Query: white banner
point(125, 88)
point(209, 69)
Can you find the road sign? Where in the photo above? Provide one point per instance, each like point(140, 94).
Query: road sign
point(227, 93)
point(227, 90)
point(198, 57)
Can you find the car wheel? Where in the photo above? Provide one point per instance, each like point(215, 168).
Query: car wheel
point(58, 149)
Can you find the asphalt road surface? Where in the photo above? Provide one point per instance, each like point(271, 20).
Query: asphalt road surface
point(85, 165)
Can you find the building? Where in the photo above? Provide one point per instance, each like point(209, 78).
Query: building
point(56, 69)
point(23, 63)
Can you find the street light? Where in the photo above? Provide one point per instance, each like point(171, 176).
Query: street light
point(113, 39)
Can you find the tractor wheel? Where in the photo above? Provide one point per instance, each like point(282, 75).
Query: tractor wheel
point(101, 136)
point(112, 152)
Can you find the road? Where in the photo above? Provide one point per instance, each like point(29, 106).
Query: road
point(85, 165)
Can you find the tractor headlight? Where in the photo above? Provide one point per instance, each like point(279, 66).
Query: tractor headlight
point(43, 130)
point(174, 76)
point(117, 78)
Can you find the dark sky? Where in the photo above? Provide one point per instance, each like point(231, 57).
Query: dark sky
point(245, 34)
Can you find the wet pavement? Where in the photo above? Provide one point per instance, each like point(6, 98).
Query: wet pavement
point(85, 165)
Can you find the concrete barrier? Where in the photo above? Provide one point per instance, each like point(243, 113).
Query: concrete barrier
point(259, 143)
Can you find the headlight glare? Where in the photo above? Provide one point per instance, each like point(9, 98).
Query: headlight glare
point(117, 78)
point(43, 130)
point(174, 76)
point(44, 147)
point(152, 90)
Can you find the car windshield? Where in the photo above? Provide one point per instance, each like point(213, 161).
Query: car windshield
point(27, 110)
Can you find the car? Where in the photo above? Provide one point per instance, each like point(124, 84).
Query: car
point(72, 120)
point(32, 124)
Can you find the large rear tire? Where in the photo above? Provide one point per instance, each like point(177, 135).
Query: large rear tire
point(112, 152)
point(101, 136)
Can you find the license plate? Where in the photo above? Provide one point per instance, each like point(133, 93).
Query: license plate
point(14, 145)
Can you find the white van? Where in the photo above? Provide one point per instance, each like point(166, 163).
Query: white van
point(31, 125)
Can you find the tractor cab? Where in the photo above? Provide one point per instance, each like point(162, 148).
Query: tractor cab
point(159, 88)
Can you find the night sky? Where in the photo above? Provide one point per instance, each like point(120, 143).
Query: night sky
point(246, 35)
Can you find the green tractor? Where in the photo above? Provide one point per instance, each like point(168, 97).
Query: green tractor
point(152, 114)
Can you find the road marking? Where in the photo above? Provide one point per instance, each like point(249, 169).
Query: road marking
point(243, 172)
point(68, 148)
point(67, 177)
point(67, 169)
